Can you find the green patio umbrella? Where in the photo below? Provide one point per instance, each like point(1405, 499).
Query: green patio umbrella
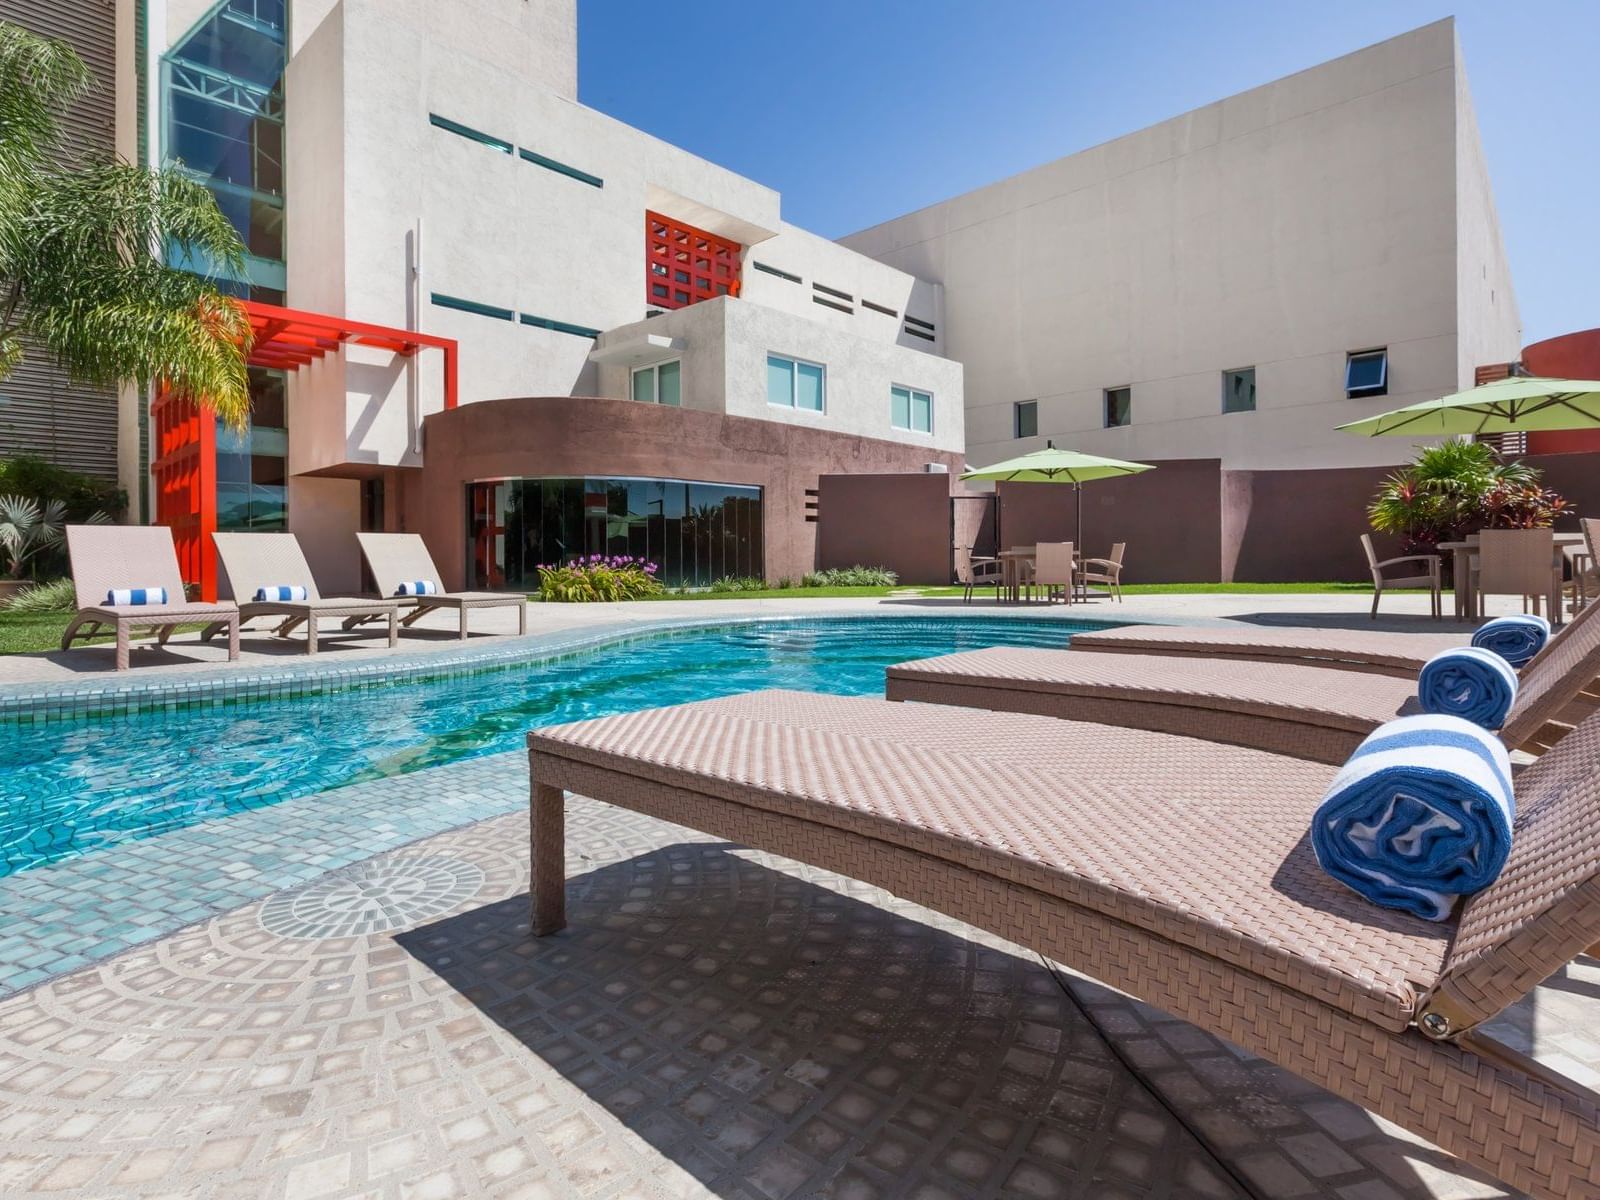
point(1517, 405)
point(1057, 466)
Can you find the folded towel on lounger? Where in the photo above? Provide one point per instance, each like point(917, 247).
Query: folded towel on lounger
point(1420, 814)
point(418, 587)
point(1474, 684)
point(121, 596)
point(280, 593)
point(1516, 638)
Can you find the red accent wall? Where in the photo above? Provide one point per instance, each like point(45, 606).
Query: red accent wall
point(1570, 356)
point(685, 265)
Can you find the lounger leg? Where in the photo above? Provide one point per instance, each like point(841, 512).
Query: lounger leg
point(522, 618)
point(394, 628)
point(72, 631)
point(463, 634)
point(288, 627)
point(311, 634)
point(122, 646)
point(416, 615)
point(165, 632)
point(548, 888)
point(233, 639)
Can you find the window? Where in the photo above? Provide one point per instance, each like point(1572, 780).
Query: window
point(560, 168)
point(1025, 419)
point(1366, 373)
point(658, 384)
point(468, 132)
point(1239, 390)
point(1119, 407)
point(792, 383)
point(911, 409)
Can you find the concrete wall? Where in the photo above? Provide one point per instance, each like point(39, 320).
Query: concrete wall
point(726, 343)
point(902, 522)
point(582, 435)
point(1280, 228)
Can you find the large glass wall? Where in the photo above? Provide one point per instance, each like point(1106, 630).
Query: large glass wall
point(694, 532)
point(252, 464)
point(222, 118)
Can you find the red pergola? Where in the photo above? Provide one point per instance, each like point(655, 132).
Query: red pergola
point(184, 436)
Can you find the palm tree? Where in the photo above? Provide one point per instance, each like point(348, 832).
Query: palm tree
point(83, 246)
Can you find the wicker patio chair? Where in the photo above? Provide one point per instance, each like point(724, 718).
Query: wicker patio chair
point(252, 561)
point(1398, 654)
point(1176, 871)
point(1518, 562)
point(1306, 711)
point(396, 558)
point(975, 572)
point(1431, 580)
point(116, 557)
point(1054, 569)
point(1107, 572)
point(1585, 565)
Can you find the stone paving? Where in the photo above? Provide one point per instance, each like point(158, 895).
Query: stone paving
point(716, 1023)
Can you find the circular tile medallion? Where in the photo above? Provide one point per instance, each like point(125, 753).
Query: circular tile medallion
point(372, 897)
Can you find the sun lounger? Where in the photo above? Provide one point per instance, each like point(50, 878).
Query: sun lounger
point(1306, 711)
point(401, 558)
point(1399, 654)
point(256, 561)
point(1200, 894)
point(107, 558)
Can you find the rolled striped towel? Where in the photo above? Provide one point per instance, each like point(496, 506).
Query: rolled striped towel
point(418, 587)
point(1420, 814)
point(1475, 684)
point(1516, 638)
point(280, 593)
point(125, 596)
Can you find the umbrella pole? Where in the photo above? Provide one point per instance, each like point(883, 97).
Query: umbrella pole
point(1077, 547)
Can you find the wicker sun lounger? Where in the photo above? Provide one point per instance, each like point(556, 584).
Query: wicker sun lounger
point(1399, 654)
point(264, 560)
point(396, 558)
point(1201, 895)
point(107, 557)
point(1306, 711)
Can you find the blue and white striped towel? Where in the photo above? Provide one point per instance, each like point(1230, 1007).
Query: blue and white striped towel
point(418, 587)
point(1516, 638)
point(117, 597)
point(280, 593)
point(1475, 684)
point(1421, 814)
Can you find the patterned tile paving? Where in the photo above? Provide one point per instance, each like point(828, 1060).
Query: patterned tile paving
point(376, 896)
point(716, 1022)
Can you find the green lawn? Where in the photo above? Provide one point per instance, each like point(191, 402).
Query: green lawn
point(30, 633)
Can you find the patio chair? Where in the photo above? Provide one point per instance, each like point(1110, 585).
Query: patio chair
point(1201, 896)
point(1584, 563)
point(1518, 562)
point(1305, 711)
point(257, 561)
point(1431, 580)
point(401, 558)
point(107, 558)
point(1107, 572)
point(975, 572)
point(1054, 569)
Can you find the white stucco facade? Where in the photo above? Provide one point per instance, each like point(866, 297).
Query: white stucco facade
point(1342, 209)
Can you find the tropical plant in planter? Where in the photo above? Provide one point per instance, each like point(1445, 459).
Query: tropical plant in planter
point(1457, 488)
point(28, 529)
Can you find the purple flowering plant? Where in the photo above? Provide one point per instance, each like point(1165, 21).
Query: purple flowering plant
point(599, 577)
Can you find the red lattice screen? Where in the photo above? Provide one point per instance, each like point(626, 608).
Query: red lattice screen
point(184, 472)
point(685, 265)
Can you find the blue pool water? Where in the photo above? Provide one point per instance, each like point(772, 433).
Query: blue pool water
point(69, 788)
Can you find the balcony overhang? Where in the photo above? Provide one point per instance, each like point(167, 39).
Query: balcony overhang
point(638, 351)
point(704, 216)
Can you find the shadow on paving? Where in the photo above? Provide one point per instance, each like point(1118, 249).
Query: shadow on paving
point(775, 1038)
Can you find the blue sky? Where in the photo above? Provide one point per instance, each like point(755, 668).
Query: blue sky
point(860, 110)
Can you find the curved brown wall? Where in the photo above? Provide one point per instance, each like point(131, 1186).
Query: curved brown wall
point(582, 435)
point(1570, 356)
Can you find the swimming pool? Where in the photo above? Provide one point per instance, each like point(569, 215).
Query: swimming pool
point(69, 788)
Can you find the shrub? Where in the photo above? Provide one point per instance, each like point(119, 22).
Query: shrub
point(56, 596)
point(81, 495)
point(1457, 488)
point(599, 577)
point(739, 583)
point(857, 576)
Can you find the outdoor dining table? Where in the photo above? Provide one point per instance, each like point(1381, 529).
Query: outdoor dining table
point(1462, 570)
point(1012, 563)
